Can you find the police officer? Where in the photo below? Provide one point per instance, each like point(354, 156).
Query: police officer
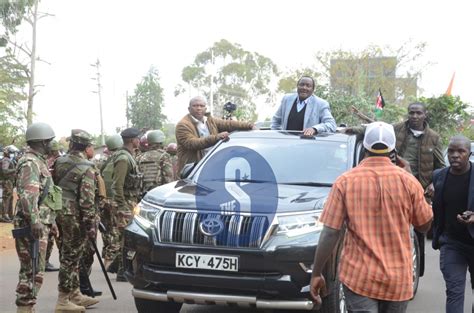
point(33, 186)
point(8, 183)
point(172, 149)
point(126, 186)
point(108, 213)
point(155, 163)
point(76, 175)
point(52, 156)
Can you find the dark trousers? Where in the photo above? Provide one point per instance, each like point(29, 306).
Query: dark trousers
point(454, 260)
point(360, 304)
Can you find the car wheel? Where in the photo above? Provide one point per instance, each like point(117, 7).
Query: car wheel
point(416, 263)
point(149, 306)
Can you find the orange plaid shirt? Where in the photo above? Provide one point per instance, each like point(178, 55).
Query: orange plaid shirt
point(378, 201)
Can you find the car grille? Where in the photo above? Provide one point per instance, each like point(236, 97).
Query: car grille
point(239, 231)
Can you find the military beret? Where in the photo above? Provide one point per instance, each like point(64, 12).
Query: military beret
point(130, 133)
point(81, 136)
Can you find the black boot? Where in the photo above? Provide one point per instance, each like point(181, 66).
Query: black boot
point(86, 287)
point(113, 267)
point(121, 276)
point(50, 268)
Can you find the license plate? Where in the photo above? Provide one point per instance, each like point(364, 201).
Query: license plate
point(207, 261)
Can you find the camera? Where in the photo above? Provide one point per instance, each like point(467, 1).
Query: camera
point(230, 107)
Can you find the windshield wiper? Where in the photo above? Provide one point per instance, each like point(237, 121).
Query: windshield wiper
point(312, 184)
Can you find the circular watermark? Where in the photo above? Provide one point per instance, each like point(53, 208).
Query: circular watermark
point(236, 187)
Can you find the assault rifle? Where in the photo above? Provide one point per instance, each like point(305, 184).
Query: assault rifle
point(25, 232)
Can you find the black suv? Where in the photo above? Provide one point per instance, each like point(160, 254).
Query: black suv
point(242, 228)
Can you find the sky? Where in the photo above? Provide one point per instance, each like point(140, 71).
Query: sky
point(130, 36)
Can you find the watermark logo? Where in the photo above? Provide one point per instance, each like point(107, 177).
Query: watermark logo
point(236, 187)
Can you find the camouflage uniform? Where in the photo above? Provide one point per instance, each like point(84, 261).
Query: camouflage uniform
point(156, 167)
point(126, 188)
point(77, 177)
point(108, 214)
point(171, 149)
point(33, 177)
point(50, 161)
point(8, 184)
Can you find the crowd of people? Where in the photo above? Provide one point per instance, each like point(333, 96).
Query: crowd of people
point(63, 198)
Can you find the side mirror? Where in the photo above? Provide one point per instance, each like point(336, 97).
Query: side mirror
point(186, 170)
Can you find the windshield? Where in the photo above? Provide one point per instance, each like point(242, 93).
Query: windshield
point(299, 161)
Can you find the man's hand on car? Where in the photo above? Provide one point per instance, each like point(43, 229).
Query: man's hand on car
point(310, 131)
point(224, 136)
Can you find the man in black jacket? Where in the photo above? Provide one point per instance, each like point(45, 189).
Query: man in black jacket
point(453, 234)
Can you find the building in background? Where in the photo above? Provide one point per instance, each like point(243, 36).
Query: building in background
point(357, 76)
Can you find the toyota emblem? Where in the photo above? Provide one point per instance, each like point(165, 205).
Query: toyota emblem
point(211, 226)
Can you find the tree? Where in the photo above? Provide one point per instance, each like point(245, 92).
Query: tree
point(13, 13)
point(12, 82)
point(145, 105)
point(448, 116)
point(237, 75)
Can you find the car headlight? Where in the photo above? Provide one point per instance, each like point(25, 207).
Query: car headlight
point(299, 224)
point(145, 214)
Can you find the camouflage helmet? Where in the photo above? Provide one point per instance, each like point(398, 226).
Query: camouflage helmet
point(54, 145)
point(114, 142)
point(155, 136)
point(81, 137)
point(172, 147)
point(39, 131)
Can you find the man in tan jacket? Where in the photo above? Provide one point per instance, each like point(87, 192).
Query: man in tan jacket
point(197, 132)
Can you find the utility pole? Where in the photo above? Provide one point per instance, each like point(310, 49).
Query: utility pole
point(99, 87)
point(211, 94)
point(127, 109)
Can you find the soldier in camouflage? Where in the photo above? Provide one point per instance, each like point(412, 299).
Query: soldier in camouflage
point(155, 164)
point(76, 175)
point(8, 182)
point(126, 186)
point(33, 185)
point(108, 213)
point(53, 155)
point(172, 149)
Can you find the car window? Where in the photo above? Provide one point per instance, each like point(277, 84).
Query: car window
point(292, 161)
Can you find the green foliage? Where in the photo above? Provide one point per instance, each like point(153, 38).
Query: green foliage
point(448, 116)
point(169, 130)
point(287, 84)
point(145, 105)
point(12, 13)
point(239, 76)
point(12, 81)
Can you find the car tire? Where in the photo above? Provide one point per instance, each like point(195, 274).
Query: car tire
point(416, 257)
point(149, 306)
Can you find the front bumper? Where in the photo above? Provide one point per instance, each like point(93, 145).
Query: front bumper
point(223, 299)
point(276, 276)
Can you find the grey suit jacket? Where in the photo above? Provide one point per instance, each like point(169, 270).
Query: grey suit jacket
point(317, 115)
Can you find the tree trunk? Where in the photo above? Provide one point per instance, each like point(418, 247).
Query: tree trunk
point(31, 88)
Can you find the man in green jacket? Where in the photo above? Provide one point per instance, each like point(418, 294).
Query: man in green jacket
point(418, 144)
point(126, 186)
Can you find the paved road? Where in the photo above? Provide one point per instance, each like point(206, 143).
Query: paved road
point(430, 297)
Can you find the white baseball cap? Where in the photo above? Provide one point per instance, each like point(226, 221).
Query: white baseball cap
point(379, 133)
